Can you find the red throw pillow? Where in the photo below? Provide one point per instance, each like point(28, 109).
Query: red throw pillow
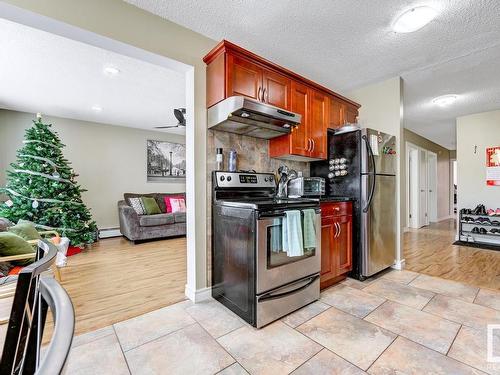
point(168, 205)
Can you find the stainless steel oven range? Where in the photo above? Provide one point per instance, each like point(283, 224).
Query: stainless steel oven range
point(266, 253)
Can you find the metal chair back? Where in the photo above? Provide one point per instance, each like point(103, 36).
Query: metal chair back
point(34, 295)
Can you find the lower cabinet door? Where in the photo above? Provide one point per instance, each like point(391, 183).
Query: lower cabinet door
point(328, 266)
point(343, 243)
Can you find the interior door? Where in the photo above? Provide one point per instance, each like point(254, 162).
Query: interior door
point(300, 143)
point(244, 78)
point(318, 124)
point(423, 217)
point(432, 186)
point(276, 89)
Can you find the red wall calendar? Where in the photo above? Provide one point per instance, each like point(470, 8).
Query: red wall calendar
point(493, 166)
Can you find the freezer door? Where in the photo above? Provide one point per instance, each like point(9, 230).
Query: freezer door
point(378, 223)
point(378, 152)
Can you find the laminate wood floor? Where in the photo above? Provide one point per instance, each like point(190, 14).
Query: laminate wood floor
point(430, 251)
point(116, 280)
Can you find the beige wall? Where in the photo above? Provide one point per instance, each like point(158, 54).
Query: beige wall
point(481, 130)
point(125, 23)
point(110, 160)
point(443, 172)
point(382, 109)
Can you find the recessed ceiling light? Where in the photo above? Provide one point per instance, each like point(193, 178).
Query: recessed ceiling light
point(111, 70)
point(444, 100)
point(414, 19)
point(97, 108)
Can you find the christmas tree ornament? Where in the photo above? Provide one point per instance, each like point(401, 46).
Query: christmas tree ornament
point(56, 174)
point(34, 204)
point(9, 203)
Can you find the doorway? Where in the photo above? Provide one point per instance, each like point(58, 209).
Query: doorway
point(115, 279)
point(421, 191)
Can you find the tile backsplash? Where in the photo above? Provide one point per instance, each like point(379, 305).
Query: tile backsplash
point(253, 153)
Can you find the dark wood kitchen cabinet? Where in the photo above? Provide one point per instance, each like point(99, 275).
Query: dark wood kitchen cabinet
point(341, 113)
point(308, 140)
point(232, 70)
point(336, 242)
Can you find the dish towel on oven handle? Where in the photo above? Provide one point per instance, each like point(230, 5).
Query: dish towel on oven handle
point(293, 242)
point(309, 228)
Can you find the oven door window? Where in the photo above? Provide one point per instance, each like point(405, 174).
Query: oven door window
point(279, 249)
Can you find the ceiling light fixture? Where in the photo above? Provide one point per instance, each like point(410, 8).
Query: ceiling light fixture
point(444, 100)
point(97, 108)
point(414, 19)
point(111, 71)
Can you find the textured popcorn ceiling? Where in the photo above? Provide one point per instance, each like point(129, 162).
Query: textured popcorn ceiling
point(47, 73)
point(346, 44)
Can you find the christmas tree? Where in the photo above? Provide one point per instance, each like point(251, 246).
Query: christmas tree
point(42, 189)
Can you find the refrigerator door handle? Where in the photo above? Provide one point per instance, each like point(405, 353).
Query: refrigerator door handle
point(372, 189)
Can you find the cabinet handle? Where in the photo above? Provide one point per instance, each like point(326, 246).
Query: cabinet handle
point(258, 94)
point(313, 144)
point(336, 229)
point(340, 230)
point(264, 99)
point(336, 208)
point(310, 145)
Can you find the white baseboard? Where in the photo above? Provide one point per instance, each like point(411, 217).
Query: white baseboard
point(399, 265)
point(109, 232)
point(446, 218)
point(198, 295)
point(406, 229)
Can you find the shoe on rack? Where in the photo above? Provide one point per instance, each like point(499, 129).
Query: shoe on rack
point(494, 231)
point(490, 212)
point(495, 222)
point(475, 230)
point(483, 231)
point(497, 212)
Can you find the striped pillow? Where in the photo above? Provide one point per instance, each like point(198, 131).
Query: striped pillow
point(136, 204)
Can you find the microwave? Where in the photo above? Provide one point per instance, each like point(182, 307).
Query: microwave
point(306, 187)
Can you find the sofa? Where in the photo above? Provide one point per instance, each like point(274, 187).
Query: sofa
point(138, 228)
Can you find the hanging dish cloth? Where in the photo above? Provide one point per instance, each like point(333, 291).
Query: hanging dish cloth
point(293, 242)
point(276, 237)
point(309, 228)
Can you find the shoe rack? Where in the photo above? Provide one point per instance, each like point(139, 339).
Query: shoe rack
point(487, 222)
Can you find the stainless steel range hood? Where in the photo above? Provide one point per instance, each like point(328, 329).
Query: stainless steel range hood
point(245, 116)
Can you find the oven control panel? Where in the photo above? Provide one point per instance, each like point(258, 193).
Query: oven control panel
point(244, 180)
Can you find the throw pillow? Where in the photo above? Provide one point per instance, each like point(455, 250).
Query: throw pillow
point(25, 230)
point(168, 205)
point(136, 204)
point(12, 244)
point(178, 205)
point(150, 206)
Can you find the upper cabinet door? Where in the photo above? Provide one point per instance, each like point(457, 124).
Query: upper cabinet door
point(276, 89)
point(336, 116)
point(318, 124)
point(244, 78)
point(300, 142)
point(351, 114)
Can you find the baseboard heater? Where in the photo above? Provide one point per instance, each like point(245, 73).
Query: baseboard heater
point(109, 232)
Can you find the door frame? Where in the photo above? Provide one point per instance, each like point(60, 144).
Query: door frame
point(412, 196)
point(452, 212)
point(412, 189)
point(432, 208)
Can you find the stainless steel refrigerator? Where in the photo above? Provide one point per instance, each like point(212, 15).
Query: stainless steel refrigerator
point(361, 165)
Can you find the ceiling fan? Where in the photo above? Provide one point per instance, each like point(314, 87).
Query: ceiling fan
point(179, 115)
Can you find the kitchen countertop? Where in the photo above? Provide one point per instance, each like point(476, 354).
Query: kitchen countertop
point(336, 199)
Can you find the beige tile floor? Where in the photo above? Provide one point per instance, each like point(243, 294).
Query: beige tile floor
point(400, 323)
